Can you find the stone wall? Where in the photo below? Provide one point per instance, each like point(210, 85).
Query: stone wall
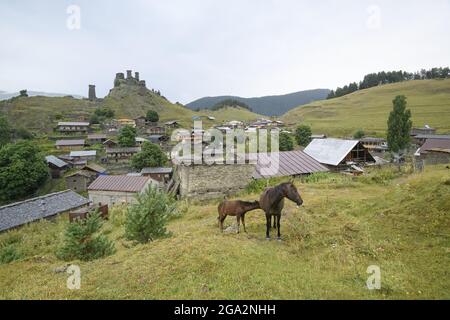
point(203, 182)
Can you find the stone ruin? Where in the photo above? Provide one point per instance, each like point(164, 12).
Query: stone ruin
point(129, 80)
point(92, 95)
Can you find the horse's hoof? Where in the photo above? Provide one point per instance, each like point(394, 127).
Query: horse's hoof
point(279, 239)
point(268, 238)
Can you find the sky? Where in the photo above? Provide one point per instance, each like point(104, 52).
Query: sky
point(189, 49)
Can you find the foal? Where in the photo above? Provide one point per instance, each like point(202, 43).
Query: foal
point(236, 208)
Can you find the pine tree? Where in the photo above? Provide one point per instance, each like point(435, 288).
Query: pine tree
point(82, 241)
point(303, 135)
point(399, 126)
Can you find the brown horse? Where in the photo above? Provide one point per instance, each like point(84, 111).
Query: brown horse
point(272, 202)
point(237, 209)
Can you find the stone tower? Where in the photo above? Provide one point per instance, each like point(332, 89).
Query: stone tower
point(92, 95)
point(136, 76)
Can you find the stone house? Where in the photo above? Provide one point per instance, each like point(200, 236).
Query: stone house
point(121, 154)
point(73, 127)
point(69, 144)
point(89, 155)
point(56, 166)
point(157, 130)
point(159, 174)
point(80, 180)
point(115, 190)
point(435, 151)
point(96, 139)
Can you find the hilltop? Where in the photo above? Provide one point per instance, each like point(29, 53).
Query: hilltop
point(8, 95)
point(429, 101)
point(328, 244)
point(269, 105)
point(40, 113)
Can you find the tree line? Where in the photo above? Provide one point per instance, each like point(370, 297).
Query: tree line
point(376, 79)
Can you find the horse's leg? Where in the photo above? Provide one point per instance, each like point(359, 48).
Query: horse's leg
point(278, 222)
point(275, 223)
point(238, 218)
point(222, 219)
point(269, 224)
point(243, 222)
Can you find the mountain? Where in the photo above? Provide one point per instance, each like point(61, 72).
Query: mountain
point(368, 109)
point(269, 105)
point(8, 95)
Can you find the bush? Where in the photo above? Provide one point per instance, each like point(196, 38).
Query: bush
point(9, 254)
point(81, 240)
point(151, 156)
point(286, 142)
point(303, 135)
point(359, 134)
point(147, 219)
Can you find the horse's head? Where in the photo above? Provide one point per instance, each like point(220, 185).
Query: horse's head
point(292, 194)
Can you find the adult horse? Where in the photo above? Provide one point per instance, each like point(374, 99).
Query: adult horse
point(272, 202)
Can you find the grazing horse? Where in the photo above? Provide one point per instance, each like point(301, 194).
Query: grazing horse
point(272, 202)
point(237, 209)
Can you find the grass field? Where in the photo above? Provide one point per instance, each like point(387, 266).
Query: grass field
point(429, 101)
point(400, 222)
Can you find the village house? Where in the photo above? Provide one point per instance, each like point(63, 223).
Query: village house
point(141, 121)
point(121, 154)
point(110, 144)
point(156, 130)
point(158, 139)
point(140, 141)
point(420, 139)
point(162, 175)
point(120, 123)
point(80, 180)
point(427, 130)
point(115, 190)
point(20, 213)
point(73, 127)
point(56, 166)
point(435, 151)
point(339, 154)
point(73, 163)
point(97, 138)
point(93, 167)
point(69, 144)
point(375, 144)
point(172, 124)
point(89, 155)
point(290, 164)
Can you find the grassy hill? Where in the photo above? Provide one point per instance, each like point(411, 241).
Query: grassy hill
point(269, 105)
point(429, 101)
point(329, 243)
point(42, 113)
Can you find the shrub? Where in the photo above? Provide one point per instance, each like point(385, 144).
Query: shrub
point(82, 241)
point(9, 254)
point(303, 135)
point(147, 219)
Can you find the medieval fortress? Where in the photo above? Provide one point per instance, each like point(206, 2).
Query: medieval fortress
point(121, 81)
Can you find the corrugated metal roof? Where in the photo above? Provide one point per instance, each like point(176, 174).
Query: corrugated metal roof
point(433, 136)
point(56, 162)
point(96, 136)
point(433, 144)
point(20, 213)
point(330, 151)
point(123, 150)
point(60, 143)
point(290, 163)
point(74, 124)
point(89, 153)
point(95, 167)
point(156, 170)
point(119, 183)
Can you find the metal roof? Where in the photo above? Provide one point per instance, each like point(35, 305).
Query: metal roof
point(94, 167)
point(434, 144)
point(74, 124)
point(119, 183)
point(156, 170)
point(433, 136)
point(290, 163)
point(96, 136)
point(20, 213)
point(56, 162)
point(69, 143)
point(89, 153)
point(123, 150)
point(330, 151)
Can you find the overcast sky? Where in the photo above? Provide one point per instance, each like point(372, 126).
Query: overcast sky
point(191, 48)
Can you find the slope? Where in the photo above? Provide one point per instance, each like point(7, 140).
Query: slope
point(429, 101)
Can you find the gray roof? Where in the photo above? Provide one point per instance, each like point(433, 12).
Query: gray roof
point(56, 162)
point(330, 151)
point(20, 213)
point(119, 183)
point(69, 143)
point(123, 150)
point(89, 153)
point(433, 136)
point(156, 170)
point(290, 163)
point(74, 124)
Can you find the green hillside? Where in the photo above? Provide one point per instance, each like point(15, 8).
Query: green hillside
point(429, 101)
point(42, 113)
point(342, 229)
